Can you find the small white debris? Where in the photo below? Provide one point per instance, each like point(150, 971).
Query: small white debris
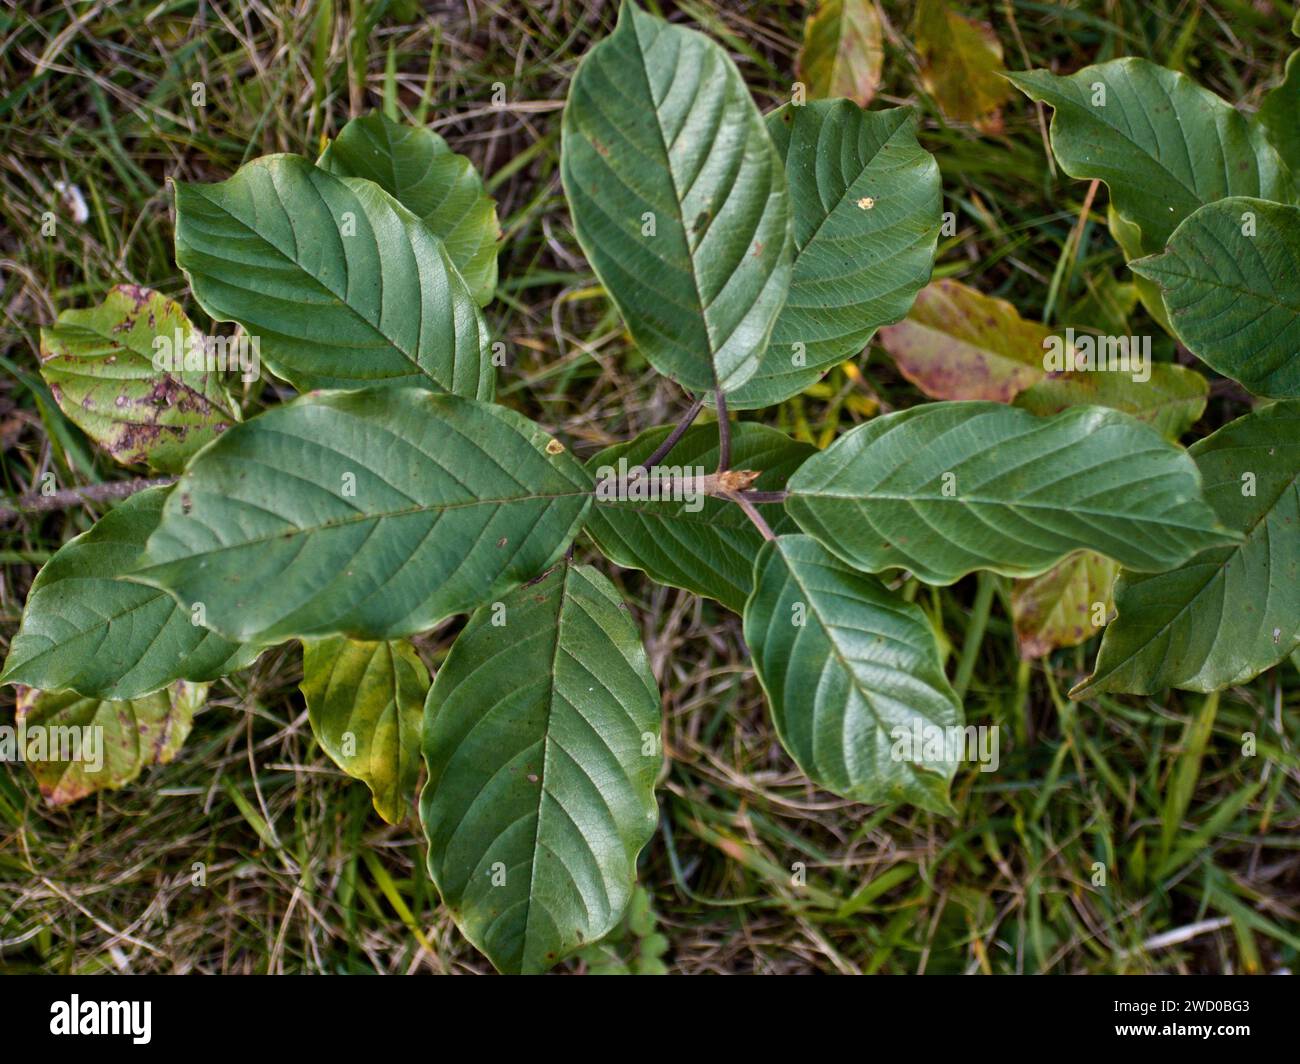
point(73, 200)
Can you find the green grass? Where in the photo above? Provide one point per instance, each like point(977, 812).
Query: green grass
point(1198, 843)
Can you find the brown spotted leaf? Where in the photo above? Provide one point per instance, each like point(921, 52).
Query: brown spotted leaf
point(131, 375)
point(1065, 606)
point(843, 51)
point(957, 343)
point(961, 64)
point(75, 746)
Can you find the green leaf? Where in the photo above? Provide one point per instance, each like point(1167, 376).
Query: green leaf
point(961, 64)
point(948, 488)
point(1228, 614)
point(89, 629)
point(701, 294)
point(1230, 278)
point(1171, 401)
point(342, 286)
point(846, 664)
point(866, 203)
point(76, 746)
point(418, 169)
point(365, 702)
point(843, 50)
point(634, 947)
point(372, 514)
point(1105, 305)
point(1162, 144)
point(1129, 238)
point(542, 740)
point(957, 343)
point(703, 544)
point(1278, 113)
point(1060, 608)
point(100, 366)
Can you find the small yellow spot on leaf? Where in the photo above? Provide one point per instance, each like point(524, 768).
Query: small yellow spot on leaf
point(866, 203)
point(555, 447)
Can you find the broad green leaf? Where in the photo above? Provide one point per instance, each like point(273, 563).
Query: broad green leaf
point(1230, 278)
point(843, 50)
point(341, 285)
point(542, 740)
point(118, 371)
point(1162, 144)
point(1279, 115)
point(415, 166)
point(961, 64)
point(372, 514)
point(1065, 606)
point(76, 746)
point(678, 199)
point(89, 629)
point(1227, 614)
point(948, 488)
point(365, 702)
point(1171, 401)
point(850, 669)
point(866, 206)
point(703, 544)
point(957, 343)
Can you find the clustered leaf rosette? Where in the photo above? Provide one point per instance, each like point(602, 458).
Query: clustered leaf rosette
point(748, 255)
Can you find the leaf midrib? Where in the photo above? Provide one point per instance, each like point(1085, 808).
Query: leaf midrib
point(677, 197)
point(546, 761)
point(1004, 503)
point(358, 518)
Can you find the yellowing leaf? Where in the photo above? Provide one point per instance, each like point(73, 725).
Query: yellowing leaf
point(957, 343)
point(843, 52)
point(365, 702)
point(1171, 401)
point(1062, 607)
point(133, 375)
point(960, 63)
point(75, 745)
